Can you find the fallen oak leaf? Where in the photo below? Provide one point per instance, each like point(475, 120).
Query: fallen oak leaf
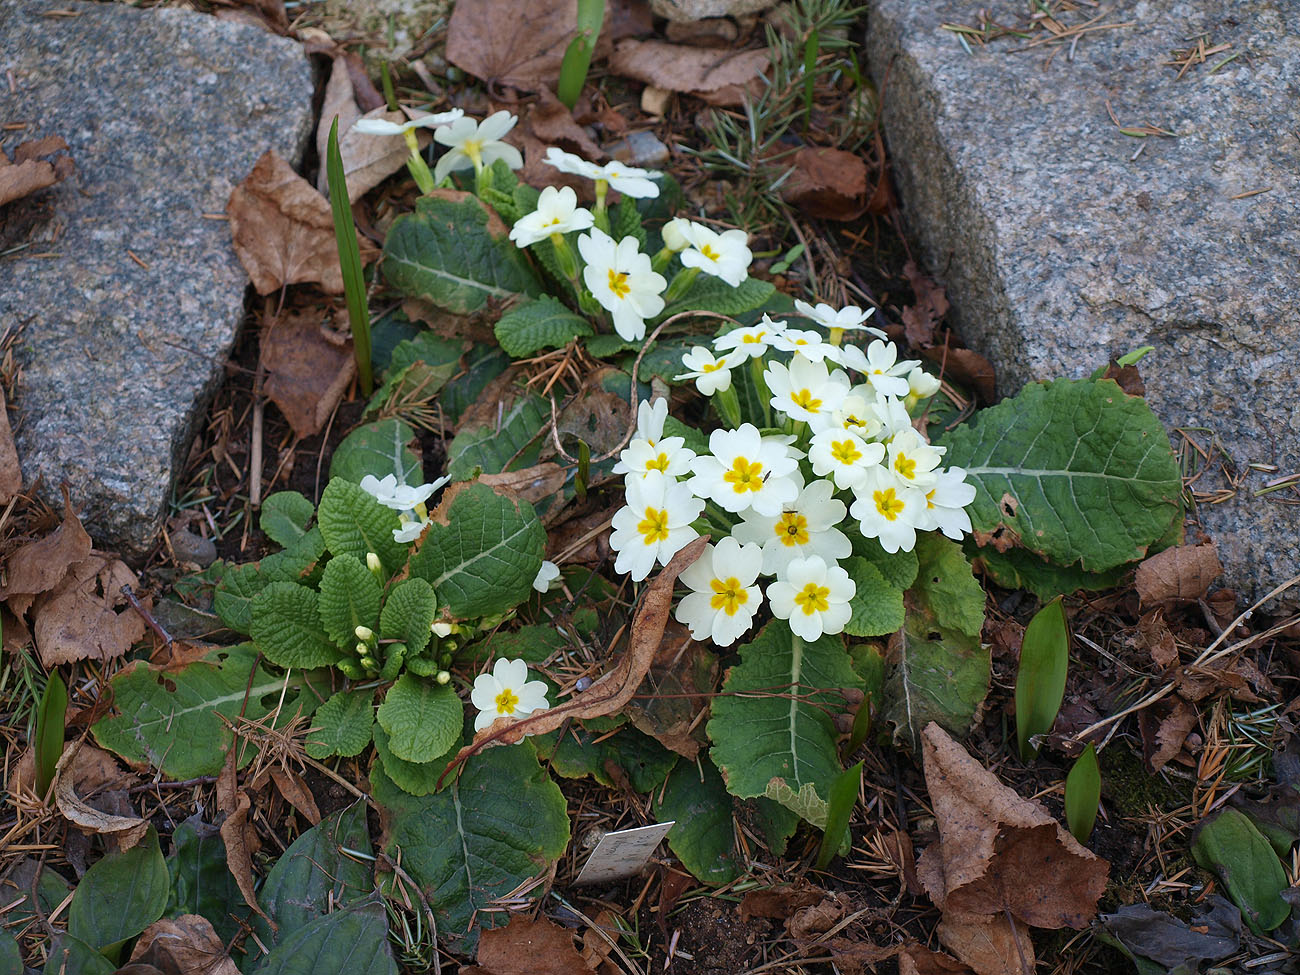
point(504, 42)
point(234, 832)
point(610, 692)
point(307, 370)
point(184, 945)
point(1177, 575)
point(915, 959)
point(921, 319)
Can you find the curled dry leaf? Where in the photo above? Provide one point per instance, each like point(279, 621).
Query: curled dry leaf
point(998, 852)
point(916, 960)
point(83, 770)
point(676, 689)
point(235, 830)
point(1178, 575)
point(552, 123)
point(308, 369)
point(28, 172)
point(184, 945)
point(283, 231)
point(534, 484)
point(597, 417)
point(718, 75)
point(921, 319)
point(529, 947)
point(780, 903)
point(39, 566)
point(86, 616)
point(508, 43)
point(966, 366)
point(1163, 736)
point(296, 793)
point(612, 691)
point(829, 184)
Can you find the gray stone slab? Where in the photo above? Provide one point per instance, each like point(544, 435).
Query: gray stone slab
point(165, 111)
point(1062, 245)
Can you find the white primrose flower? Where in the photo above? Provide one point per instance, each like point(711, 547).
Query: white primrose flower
point(723, 597)
point(724, 255)
point(400, 497)
point(814, 597)
point(843, 456)
point(805, 390)
point(912, 460)
point(628, 180)
point(806, 526)
point(620, 277)
point(893, 416)
point(849, 318)
point(807, 343)
point(473, 145)
point(888, 509)
point(752, 342)
point(654, 524)
point(650, 450)
point(412, 528)
point(945, 504)
point(379, 126)
point(744, 471)
point(856, 414)
point(884, 372)
point(567, 162)
point(557, 213)
point(921, 385)
point(548, 576)
point(506, 692)
point(711, 375)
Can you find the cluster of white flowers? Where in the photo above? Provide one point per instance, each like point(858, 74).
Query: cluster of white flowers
point(407, 501)
point(840, 438)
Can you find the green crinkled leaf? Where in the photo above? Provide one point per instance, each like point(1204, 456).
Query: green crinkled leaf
point(713, 294)
point(380, 448)
point(703, 837)
point(422, 718)
point(532, 644)
point(1074, 470)
point(287, 629)
point(540, 324)
point(317, 875)
point(299, 563)
point(417, 778)
point(448, 253)
point(178, 730)
point(773, 719)
point(625, 221)
point(582, 752)
point(877, 606)
point(120, 895)
point(941, 672)
point(515, 441)
point(481, 553)
point(500, 823)
point(353, 941)
point(354, 523)
point(898, 569)
point(408, 614)
point(349, 597)
point(341, 726)
point(604, 346)
point(418, 368)
point(285, 517)
point(201, 882)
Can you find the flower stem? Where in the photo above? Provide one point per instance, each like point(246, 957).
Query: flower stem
point(837, 335)
point(416, 165)
point(565, 258)
point(680, 284)
point(756, 369)
point(728, 404)
point(599, 213)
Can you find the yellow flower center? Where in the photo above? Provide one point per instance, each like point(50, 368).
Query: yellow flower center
point(660, 463)
point(929, 498)
point(845, 451)
point(812, 599)
point(709, 252)
point(507, 701)
point(745, 476)
point(754, 339)
point(905, 466)
point(654, 526)
point(792, 529)
point(474, 149)
point(552, 222)
point(728, 595)
point(713, 366)
point(888, 503)
point(854, 421)
point(618, 283)
point(805, 399)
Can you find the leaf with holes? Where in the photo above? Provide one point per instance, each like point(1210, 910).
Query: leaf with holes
point(540, 324)
point(481, 553)
point(422, 719)
point(341, 726)
point(408, 614)
point(349, 597)
point(1077, 471)
point(173, 721)
point(287, 629)
point(379, 448)
point(940, 670)
point(354, 523)
point(772, 727)
point(455, 252)
point(500, 823)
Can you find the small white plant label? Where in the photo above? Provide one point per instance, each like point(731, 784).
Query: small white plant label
point(622, 853)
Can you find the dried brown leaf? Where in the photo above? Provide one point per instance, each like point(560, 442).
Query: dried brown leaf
point(917, 960)
point(1158, 640)
point(966, 366)
point(340, 102)
point(530, 947)
point(676, 689)
point(1128, 378)
point(819, 918)
point(612, 691)
point(282, 229)
point(993, 946)
point(28, 173)
point(39, 566)
point(552, 123)
point(507, 43)
point(1177, 575)
point(184, 945)
point(296, 793)
point(998, 852)
point(308, 370)
point(597, 417)
point(1163, 740)
point(86, 616)
point(780, 903)
point(829, 184)
point(11, 472)
point(82, 770)
point(534, 484)
point(719, 75)
point(235, 830)
point(856, 957)
point(922, 318)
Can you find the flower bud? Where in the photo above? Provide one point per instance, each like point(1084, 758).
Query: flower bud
point(921, 384)
point(364, 634)
point(442, 629)
point(362, 650)
point(443, 677)
point(674, 234)
point(373, 563)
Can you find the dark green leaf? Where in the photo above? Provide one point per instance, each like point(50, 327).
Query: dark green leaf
point(540, 324)
point(72, 956)
point(380, 448)
point(287, 629)
point(120, 895)
point(201, 882)
point(643, 760)
point(713, 294)
point(422, 718)
point(285, 517)
point(354, 523)
point(349, 597)
point(1082, 794)
point(877, 606)
point(353, 941)
point(1040, 682)
point(1229, 844)
point(843, 797)
point(408, 614)
point(342, 724)
point(514, 439)
point(48, 745)
point(345, 235)
point(704, 838)
point(417, 778)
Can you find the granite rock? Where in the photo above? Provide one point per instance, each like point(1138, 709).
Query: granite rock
point(1064, 242)
point(122, 278)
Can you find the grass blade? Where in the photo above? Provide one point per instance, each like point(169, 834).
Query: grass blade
point(843, 794)
point(354, 284)
point(1040, 685)
point(1082, 794)
point(49, 731)
point(577, 58)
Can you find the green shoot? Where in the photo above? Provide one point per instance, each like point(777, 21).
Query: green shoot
point(1082, 794)
point(810, 48)
point(49, 731)
point(386, 77)
point(842, 796)
point(1040, 685)
point(354, 284)
point(577, 59)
